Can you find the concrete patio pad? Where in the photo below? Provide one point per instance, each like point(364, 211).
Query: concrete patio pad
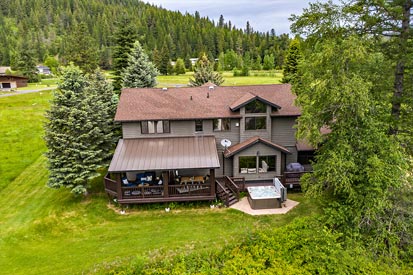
point(244, 206)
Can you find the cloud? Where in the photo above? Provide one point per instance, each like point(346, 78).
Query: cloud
point(263, 15)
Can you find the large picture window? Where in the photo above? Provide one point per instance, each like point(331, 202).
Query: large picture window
point(255, 123)
point(255, 106)
point(248, 164)
point(267, 164)
point(155, 127)
point(222, 124)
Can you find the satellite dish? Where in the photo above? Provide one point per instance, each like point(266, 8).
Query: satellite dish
point(226, 142)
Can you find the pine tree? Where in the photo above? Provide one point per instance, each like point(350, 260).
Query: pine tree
point(124, 37)
point(82, 50)
point(164, 60)
point(79, 129)
point(204, 73)
point(291, 62)
point(26, 64)
point(180, 66)
point(140, 72)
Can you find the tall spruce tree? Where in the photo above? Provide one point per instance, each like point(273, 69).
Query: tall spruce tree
point(123, 39)
point(204, 72)
point(78, 130)
point(140, 72)
point(291, 61)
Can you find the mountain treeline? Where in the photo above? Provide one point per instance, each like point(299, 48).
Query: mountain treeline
point(50, 27)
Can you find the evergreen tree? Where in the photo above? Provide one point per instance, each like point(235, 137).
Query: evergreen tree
point(123, 39)
point(79, 129)
point(180, 66)
point(291, 61)
point(140, 72)
point(164, 60)
point(82, 50)
point(204, 73)
point(26, 64)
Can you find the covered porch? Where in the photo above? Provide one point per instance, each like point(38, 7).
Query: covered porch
point(148, 170)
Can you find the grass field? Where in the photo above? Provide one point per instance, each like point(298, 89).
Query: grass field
point(255, 78)
point(44, 231)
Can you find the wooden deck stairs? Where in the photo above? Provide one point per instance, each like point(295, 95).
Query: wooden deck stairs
point(227, 191)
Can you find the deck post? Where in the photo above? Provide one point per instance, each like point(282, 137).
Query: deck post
point(212, 181)
point(165, 179)
point(119, 185)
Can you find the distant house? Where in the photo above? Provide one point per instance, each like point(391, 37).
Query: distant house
point(11, 82)
point(43, 70)
point(182, 144)
point(4, 69)
point(193, 61)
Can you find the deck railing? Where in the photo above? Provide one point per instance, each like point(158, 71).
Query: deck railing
point(183, 190)
point(240, 182)
point(110, 185)
point(230, 184)
point(292, 179)
point(222, 192)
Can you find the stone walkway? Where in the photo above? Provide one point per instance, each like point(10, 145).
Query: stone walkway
point(244, 206)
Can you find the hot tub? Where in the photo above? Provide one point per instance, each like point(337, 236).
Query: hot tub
point(264, 197)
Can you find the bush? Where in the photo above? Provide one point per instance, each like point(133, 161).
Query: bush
point(302, 247)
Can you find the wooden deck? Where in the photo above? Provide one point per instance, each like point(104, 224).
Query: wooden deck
point(136, 194)
point(292, 179)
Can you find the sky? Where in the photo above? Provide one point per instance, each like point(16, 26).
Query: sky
point(263, 15)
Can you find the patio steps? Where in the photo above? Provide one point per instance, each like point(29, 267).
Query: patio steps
point(225, 194)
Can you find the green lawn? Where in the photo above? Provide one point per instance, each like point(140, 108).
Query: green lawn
point(255, 78)
point(21, 131)
point(51, 231)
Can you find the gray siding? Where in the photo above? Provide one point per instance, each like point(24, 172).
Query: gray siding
point(177, 128)
point(283, 131)
point(131, 130)
point(264, 150)
point(234, 136)
point(246, 134)
point(293, 156)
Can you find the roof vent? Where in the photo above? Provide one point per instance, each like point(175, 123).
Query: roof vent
point(191, 97)
point(164, 89)
point(207, 95)
point(210, 88)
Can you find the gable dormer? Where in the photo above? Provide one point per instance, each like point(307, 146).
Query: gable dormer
point(253, 104)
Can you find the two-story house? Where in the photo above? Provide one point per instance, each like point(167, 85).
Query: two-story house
point(178, 141)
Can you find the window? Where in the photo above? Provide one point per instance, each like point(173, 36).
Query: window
point(255, 123)
point(255, 106)
point(222, 124)
point(198, 125)
point(248, 164)
point(267, 163)
point(155, 127)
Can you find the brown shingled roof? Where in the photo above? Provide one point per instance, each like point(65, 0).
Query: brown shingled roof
point(250, 142)
point(199, 102)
